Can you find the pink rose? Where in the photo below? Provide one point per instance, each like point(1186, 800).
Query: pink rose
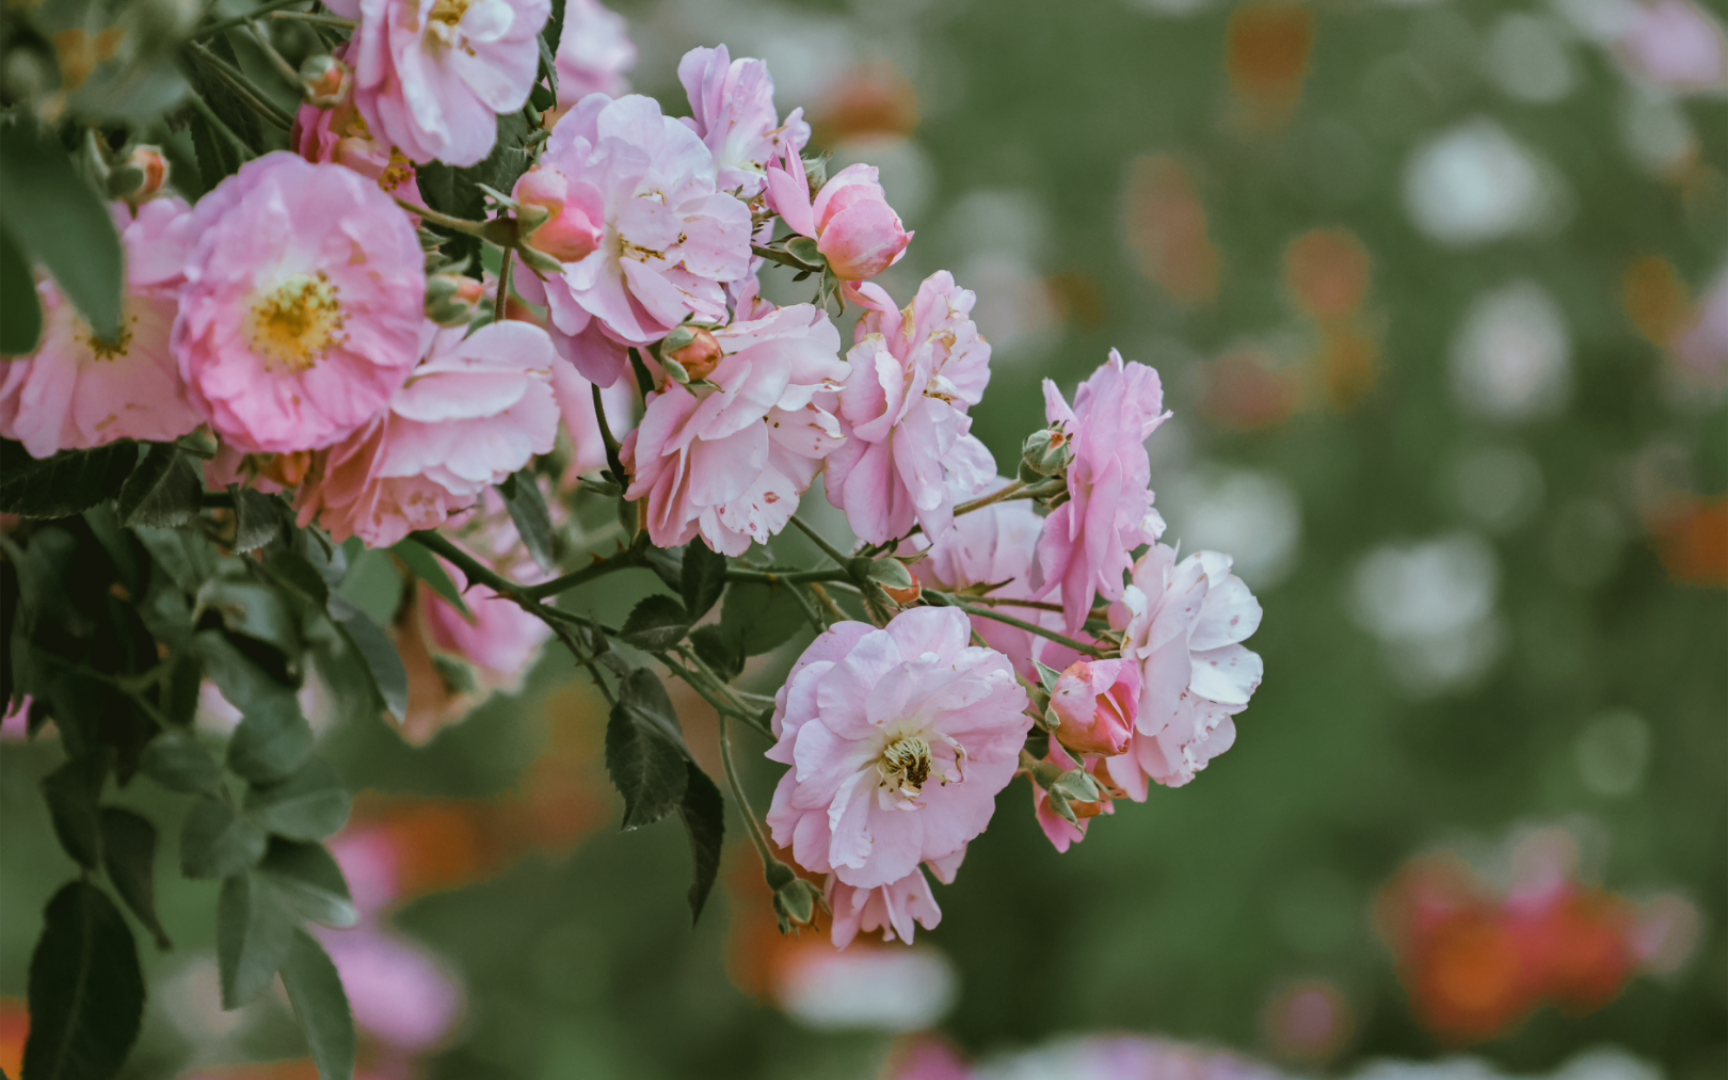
point(1088, 541)
point(992, 546)
point(594, 52)
point(1097, 702)
point(854, 227)
point(303, 304)
point(892, 908)
point(732, 102)
point(573, 230)
point(340, 134)
point(910, 455)
point(898, 740)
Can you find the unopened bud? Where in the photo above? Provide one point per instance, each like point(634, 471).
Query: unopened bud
point(905, 596)
point(571, 228)
point(143, 175)
point(284, 469)
point(795, 901)
point(1045, 453)
point(453, 299)
point(326, 81)
point(694, 349)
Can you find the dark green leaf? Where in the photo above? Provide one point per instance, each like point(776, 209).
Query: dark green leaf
point(703, 578)
point(374, 646)
point(425, 566)
point(272, 742)
point(307, 877)
point(216, 842)
point(117, 544)
point(164, 491)
point(129, 858)
point(20, 307)
point(301, 577)
point(180, 692)
point(656, 623)
point(72, 792)
point(257, 518)
point(645, 752)
point(528, 510)
point(759, 617)
point(63, 223)
point(719, 651)
point(668, 566)
point(253, 609)
point(310, 805)
point(65, 484)
point(704, 816)
point(315, 991)
point(175, 760)
point(253, 935)
point(243, 683)
point(182, 554)
point(86, 991)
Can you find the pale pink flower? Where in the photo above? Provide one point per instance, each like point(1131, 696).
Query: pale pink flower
point(854, 227)
point(1184, 623)
point(1061, 832)
point(1674, 44)
point(431, 76)
point(733, 106)
point(475, 411)
point(1097, 702)
point(892, 908)
point(401, 993)
point(670, 239)
point(910, 454)
point(1701, 350)
point(341, 135)
point(1088, 541)
point(576, 402)
point(992, 546)
point(898, 740)
point(573, 230)
point(729, 458)
point(501, 643)
point(75, 391)
point(303, 303)
point(594, 52)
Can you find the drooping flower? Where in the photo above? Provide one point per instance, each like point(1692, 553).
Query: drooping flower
point(898, 740)
point(854, 227)
point(1097, 702)
point(340, 134)
point(303, 304)
point(730, 458)
point(77, 391)
point(992, 546)
point(1184, 624)
point(431, 77)
point(1088, 541)
point(594, 52)
point(669, 239)
point(910, 455)
point(733, 106)
point(475, 411)
point(892, 908)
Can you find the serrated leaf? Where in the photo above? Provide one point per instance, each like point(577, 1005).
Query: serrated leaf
point(67, 483)
point(718, 650)
point(528, 510)
point(72, 792)
point(20, 306)
point(253, 935)
point(252, 609)
point(129, 859)
point(216, 842)
point(310, 805)
point(320, 1006)
point(272, 741)
point(300, 577)
point(703, 578)
point(425, 566)
point(177, 761)
point(703, 812)
point(645, 752)
point(183, 554)
point(373, 645)
point(655, 624)
point(257, 519)
point(759, 617)
point(308, 879)
point(164, 491)
point(86, 989)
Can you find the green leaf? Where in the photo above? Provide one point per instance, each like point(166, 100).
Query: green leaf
point(719, 651)
point(645, 752)
point(272, 742)
point(180, 693)
point(425, 566)
point(129, 858)
point(655, 624)
point(216, 842)
point(307, 877)
point(704, 577)
point(320, 1005)
point(704, 816)
point(177, 761)
point(759, 617)
point(253, 609)
point(63, 223)
point(182, 554)
point(300, 577)
point(241, 681)
point(310, 805)
point(72, 792)
point(65, 484)
point(528, 510)
point(805, 251)
point(164, 491)
point(257, 518)
point(374, 646)
point(253, 935)
point(117, 545)
point(20, 307)
point(86, 990)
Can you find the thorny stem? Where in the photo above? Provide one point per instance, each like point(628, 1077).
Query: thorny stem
point(949, 600)
point(224, 130)
point(624, 560)
point(828, 549)
point(501, 302)
point(1003, 601)
point(797, 577)
point(612, 459)
point(985, 500)
point(828, 603)
point(321, 20)
point(816, 622)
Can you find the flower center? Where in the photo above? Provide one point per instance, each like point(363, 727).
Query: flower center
point(448, 12)
point(905, 766)
point(110, 350)
point(297, 323)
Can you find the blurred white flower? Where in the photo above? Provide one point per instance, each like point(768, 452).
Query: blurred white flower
point(1476, 183)
point(1528, 58)
point(1599, 1063)
point(1255, 516)
point(1511, 359)
point(1431, 605)
point(878, 989)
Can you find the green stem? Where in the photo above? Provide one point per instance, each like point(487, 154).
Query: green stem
point(613, 461)
point(624, 560)
point(950, 600)
point(239, 20)
point(501, 302)
point(1013, 490)
point(282, 66)
point(1003, 601)
point(816, 622)
point(224, 130)
point(321, 20)
point(745, 810)
point(783, 259)
point(828, 549)
point(244, 87)
point(456, 224)
point(828, 603)
point(797, 577)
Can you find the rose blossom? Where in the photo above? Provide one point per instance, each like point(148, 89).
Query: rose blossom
point(431, 76)
point(729, 458)
point(899, 740)
point(594, 52)
point(1184, 624)
point(854, 227)
point(77, 391)
point(668, 240)
point(733, 103)
point(890, 908)
point(910, 454)
point(475, 411)
point(340, 134)
point(1097, 702)
point(1088, 541)
point(991, 546)
point(303, 303)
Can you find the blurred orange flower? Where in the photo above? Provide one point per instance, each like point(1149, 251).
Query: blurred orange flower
point(1267, 51)
point(1167, 230)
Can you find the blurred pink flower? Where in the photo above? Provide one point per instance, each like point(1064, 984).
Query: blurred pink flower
point(899, 740)
point(432, 76)
point(1674, 44)
point(594, 52)
point(927, 1057)
point(303, 303)
point(909, 455)
point(1097, 702)
point(1184, 623)
point(1088, 541)
point(476, 410)
point(670, 239)
point(731, 457)
point(400, 992)
point(733, 106)
point(1702, 349)
point(75, 391)
point(501, 643)
point(992, 546)
point(341, 135)
point(854, 227)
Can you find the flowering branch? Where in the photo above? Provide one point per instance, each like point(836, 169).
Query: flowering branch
point(950, 600)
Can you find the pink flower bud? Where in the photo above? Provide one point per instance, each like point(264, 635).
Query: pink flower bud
point(1097, 702)
point(700, 355)
point(326, 80)
point(142, 176)
point(573, 229)
point(858, 232)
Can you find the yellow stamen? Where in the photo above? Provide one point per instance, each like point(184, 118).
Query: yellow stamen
point(297, 323)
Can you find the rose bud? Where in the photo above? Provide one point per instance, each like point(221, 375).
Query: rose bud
point(906, 596)
point(1097, 702)
point(575, 214)
point(142, 176)
point(695, 349)
point(326, 81)
point(1045, 453)
point(858, 232)
point(453, 299)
